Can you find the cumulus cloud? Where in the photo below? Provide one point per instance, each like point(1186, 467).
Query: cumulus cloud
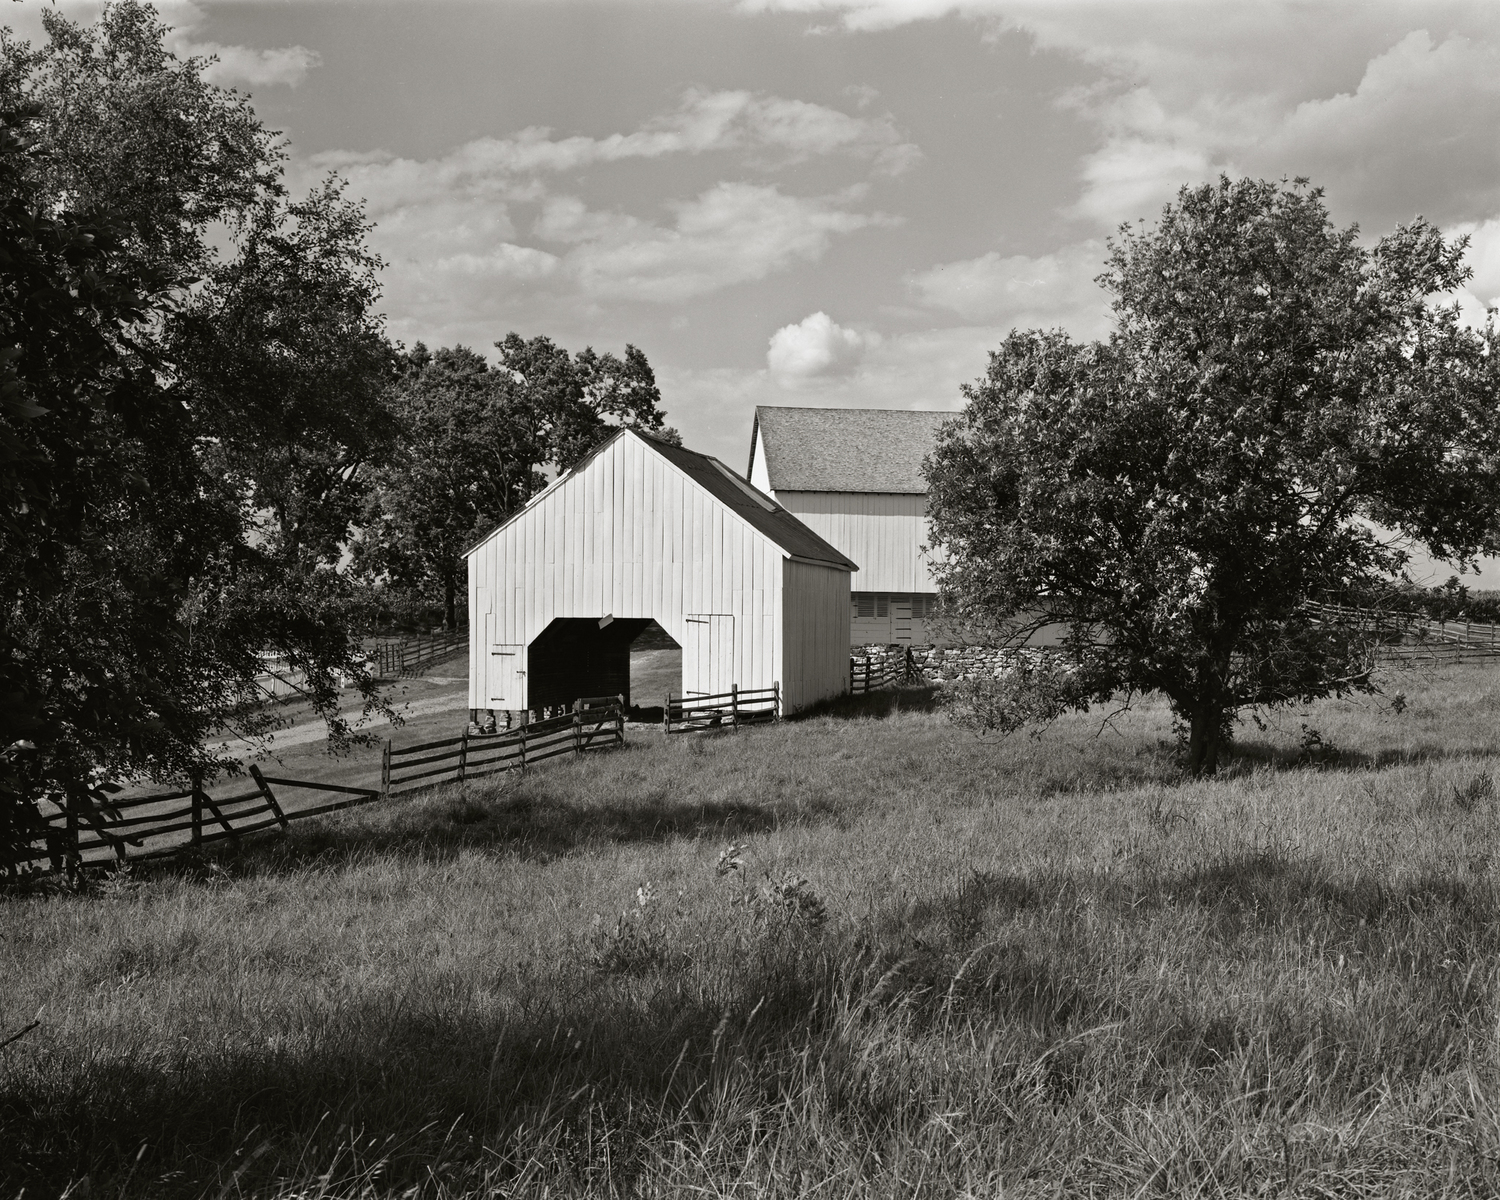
point(778, 131)
point(732, 233)
point(814, 347)
point(286, 66)
point(1045, 291)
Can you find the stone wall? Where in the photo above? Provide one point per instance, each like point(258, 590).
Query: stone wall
point(938, 664)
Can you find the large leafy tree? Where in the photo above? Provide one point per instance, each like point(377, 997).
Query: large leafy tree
point(574, 400)
point(128, 128)
point(135, 601)
point(287, 364)
point(469, 456)
point(132, 611)
point(1275, 401)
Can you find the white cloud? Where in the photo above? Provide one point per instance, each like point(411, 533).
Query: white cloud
point(778, 130)
point(283, 66)
point(814, 347)
point(287, 66)
point(1046, 291)
point(732, 233)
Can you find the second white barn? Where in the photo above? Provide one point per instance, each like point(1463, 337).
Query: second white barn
point(642, 530)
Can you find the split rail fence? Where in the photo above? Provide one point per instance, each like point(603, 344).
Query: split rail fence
point(595, 723)
point(1408, 636)
point(726, 710)
point(142, 828)
point(412, 656)
point(873, 669)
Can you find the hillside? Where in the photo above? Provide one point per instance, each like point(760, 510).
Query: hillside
point(860, 953)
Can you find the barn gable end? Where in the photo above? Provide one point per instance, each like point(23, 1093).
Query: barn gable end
point(643, 531)
point(854, 476)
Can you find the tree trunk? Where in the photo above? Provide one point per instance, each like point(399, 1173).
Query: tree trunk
point(1204, 730)
point(450, 607)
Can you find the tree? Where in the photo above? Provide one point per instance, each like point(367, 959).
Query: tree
point(124, 126)
point(574, 402)
point(289, 369)
point(1273, 395)
point(468, 458)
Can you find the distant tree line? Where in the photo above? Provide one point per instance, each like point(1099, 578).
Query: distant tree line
point(213, 453)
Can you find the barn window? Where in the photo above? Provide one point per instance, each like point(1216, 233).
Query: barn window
point(882, 604)
point(919, 606)
point(864, 604)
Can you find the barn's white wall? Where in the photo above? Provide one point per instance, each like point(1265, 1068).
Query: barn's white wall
point(816, 625)
point(882, 532)
point(631, 536)
point(760, 473)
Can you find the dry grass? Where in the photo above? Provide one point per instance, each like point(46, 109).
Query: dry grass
point(943, 967)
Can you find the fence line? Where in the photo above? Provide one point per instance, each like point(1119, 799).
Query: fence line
point(74, 836)
point(595, 723)
point(1439, 640)
point(889, 666)
point(732, 709)
point(412, 656)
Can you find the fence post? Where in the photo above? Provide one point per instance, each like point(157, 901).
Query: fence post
point(734, 705)
point(74, 854)
point(525, 725)
point(620, 718)
point(578, 727)
point(265, 790)
point(666, 715)
point(867, 674)
point(463, 754)
point(197, 808)
point(776, 700)
point(385, 768)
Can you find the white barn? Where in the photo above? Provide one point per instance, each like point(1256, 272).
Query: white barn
point(642, 530)
point(854, 476)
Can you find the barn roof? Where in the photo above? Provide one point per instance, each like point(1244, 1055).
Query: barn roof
point(846, 449)
point(758, 510)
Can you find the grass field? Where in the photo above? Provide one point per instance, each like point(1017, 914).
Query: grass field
point(856, 954)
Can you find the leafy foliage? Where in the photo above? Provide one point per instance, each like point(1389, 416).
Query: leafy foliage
point(126, 127)
point(1175, 494)
point(134, 606)
point(575, 401)
point(469, 456)
point(289, 369)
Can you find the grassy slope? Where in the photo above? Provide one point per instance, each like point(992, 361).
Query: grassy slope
point(1051, 965)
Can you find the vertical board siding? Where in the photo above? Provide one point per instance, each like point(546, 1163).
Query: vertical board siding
point(632, 536)
point(883, 532)
point(815, 623)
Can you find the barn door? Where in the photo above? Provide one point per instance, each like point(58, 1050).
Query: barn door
point(708, 655)
point(507, 676)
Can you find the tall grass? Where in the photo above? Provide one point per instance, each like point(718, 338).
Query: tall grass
point(861, 954)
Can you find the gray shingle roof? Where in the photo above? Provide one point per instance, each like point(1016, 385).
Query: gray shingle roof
point(763, 513)
point(846, 449)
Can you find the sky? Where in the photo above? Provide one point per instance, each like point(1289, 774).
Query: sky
point(836, 202)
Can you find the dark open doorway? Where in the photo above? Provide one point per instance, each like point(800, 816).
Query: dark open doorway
point(574, 657)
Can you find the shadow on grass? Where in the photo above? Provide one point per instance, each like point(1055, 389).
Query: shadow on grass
point(440, 1077)
point(442, 826)
point(886, 702)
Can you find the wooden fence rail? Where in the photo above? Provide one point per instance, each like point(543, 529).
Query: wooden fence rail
point(594, 723)
point(873, 669)
point(141, 828)
point(75, 836)
point(725, 710)
point(1416, 637)
point(412, 656)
